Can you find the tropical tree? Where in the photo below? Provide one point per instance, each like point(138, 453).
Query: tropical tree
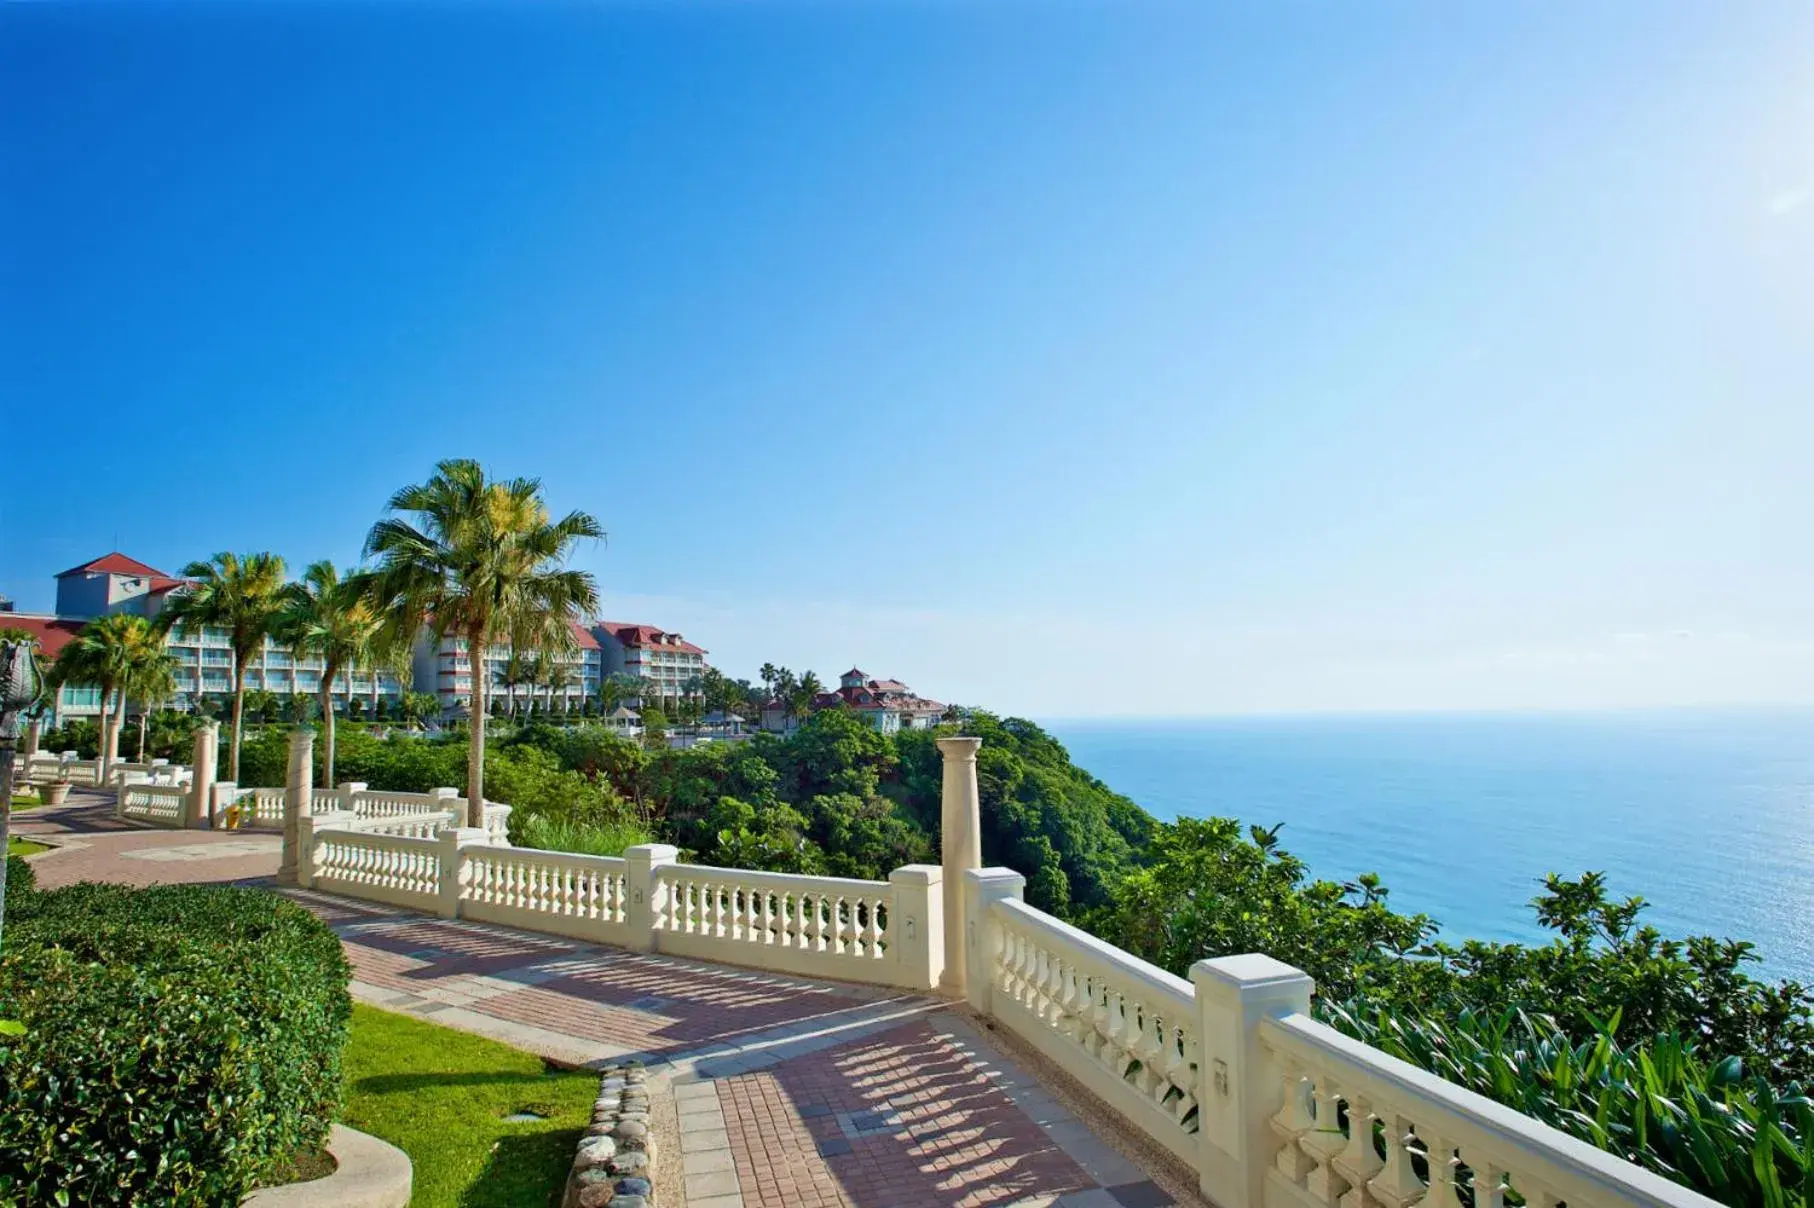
point(108, 653)
point(556, 677)
point(331, 618)
point(800, 700)
point(480, 560)
point(516, 670)
point(243, 594)
point(617, 688)
point(151, 680)
point(418, 707)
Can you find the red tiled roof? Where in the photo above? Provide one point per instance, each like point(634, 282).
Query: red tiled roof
point(584, 637)
point(116, 563)
point(642, 637)
point(52, 633)
point(162, 584)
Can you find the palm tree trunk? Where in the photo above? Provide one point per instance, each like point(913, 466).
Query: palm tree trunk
point(144, 724)
point(475, 751)
point(239, 711)
point(327, 728)
point(110, 731)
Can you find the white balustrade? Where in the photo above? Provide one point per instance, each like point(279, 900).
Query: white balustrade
point(260, 807)
point(410, 826)
point(160, 804)
point(585, 897)
point(1126, 1029)
point(823, 926)
point(1355, 1122)
point(393, 869)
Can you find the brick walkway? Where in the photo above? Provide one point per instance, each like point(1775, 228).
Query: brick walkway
point(790, 1093)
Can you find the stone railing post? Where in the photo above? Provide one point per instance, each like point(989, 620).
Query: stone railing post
point(454, 840)
point(196, 810)
point(449, 800)
point(349, 791)
point(219, 798)
point(1243, 1086)
point(983, 887)
point(916, 925)
point(647, 895)
point(298, 803)
point(961, 850)
point(34, 734)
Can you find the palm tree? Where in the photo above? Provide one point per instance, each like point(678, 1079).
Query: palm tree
point(800, 702)
point(333, 619)
point(554, 675)
point(615, 689)
point(110, 652)
point(243, 594)
point(151, 680)
point(516, 670)
point(418, 707)
point(482, 561)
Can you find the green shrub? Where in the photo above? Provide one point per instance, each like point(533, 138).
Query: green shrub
point(21, 879)
point(180, 1041)
point(585, 838)
point(1659, 1104)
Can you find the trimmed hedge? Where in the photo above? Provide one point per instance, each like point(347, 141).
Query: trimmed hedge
point(182, 1041)
point(21, 879)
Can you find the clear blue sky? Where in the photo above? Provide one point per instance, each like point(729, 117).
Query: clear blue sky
point(1064, 358)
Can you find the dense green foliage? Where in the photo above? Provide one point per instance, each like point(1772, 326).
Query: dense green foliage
point(1656, 1103)
point(1664, 1051)
point(837, 796)
point(179, 1042)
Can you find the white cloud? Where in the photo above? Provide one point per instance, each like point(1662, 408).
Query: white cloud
point(1786, 201)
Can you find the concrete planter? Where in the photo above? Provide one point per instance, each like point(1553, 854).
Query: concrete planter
point(55, 793)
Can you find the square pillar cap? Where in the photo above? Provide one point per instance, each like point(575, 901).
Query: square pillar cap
point(958, 747)
point(918, 874)
point(1004, 877)
point(1249, 975)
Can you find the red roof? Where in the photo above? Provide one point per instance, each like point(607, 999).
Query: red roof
point(162, 584)
point(115, 563)
point(584, 637)
point(629, 633)
point(52, 633)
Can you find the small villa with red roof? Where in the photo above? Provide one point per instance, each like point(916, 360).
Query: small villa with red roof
point(887, 704)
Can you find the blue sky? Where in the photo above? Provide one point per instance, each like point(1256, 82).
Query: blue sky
point(1068, 359)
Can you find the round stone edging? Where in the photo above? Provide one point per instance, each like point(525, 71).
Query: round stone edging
point(370, 1174)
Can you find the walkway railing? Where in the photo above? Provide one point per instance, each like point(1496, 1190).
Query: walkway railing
point(162, 804)
point(1226, 1070)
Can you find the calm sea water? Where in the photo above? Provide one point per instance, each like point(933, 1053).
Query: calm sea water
point(1708, 815)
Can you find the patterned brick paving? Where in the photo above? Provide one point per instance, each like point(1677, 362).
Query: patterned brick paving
point(902, 1117)
point(792, 1094)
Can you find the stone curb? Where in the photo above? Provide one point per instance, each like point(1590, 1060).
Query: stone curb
point(615, 1164)
point(369, 1174)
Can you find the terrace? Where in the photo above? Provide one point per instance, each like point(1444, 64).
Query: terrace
point(927, 1039)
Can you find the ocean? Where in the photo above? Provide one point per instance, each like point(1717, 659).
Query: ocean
point(1708, 815)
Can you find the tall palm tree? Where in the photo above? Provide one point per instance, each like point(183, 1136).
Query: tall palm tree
point(516, 670)
point(243, 594)
point(557, 678)
point(150, 680)
point(333, 619)
point(482, 560)
point(108, 653)
point(800, 703)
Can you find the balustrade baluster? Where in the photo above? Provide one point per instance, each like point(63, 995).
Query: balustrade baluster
point(1440, 1154)
point(1397, 1184)
point(819, 922)
point(1149, 1053)
point(1292, 1121)
point(1359, 1161)
point(1323, 1142)
point(1489, 1182)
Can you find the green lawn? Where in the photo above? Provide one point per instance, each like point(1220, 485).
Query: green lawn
point(26, 799)
point(441, 1096)
point(16, 846)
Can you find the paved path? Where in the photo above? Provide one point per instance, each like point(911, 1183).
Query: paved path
point(790, 1093)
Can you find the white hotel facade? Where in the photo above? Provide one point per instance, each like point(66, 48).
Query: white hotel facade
point(116, 583)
